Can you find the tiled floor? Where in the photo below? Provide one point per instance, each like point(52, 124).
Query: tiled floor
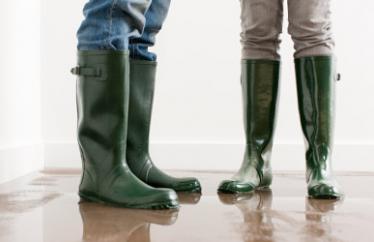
point(44, 207)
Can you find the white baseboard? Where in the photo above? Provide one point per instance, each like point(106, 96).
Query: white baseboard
point(222, 157)
point(16, 161)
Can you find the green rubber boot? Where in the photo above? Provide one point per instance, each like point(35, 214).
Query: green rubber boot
point(142, 84)
point(102, 103)
point(316, 78)
point(260, 80)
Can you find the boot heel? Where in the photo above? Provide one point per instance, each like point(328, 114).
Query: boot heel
point(265, 183)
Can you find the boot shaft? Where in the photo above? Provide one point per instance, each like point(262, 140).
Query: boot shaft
point(260, 81)
point(316, 76)
point(102, 105)
point(142, 84)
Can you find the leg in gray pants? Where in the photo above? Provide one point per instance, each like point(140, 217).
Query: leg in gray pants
point(309, 26)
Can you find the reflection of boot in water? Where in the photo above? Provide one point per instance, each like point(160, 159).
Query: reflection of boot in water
point(110, 224)
point(142, 234)
point(318, 218)
point(256, 210)
point(188, 197)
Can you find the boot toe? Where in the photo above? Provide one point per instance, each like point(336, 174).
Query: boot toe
point(189, 184)
point(324, 191)
point(230, 186)
point(163, 199)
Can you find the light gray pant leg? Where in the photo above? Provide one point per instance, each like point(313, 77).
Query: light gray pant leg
point(310, 27)
point(261, 22)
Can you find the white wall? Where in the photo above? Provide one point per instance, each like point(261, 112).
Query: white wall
point(197, 112)
point(20, 102)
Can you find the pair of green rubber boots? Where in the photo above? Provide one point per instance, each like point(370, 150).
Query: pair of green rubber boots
point(114, 103)
point(316, 79)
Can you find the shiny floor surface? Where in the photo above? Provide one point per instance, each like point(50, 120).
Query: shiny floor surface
point(44, 207)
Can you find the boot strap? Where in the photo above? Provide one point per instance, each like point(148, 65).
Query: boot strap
point(86, 71)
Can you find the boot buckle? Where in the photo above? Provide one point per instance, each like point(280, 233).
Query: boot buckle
point(338, 77)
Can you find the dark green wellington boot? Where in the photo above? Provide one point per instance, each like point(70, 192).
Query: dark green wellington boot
point(316, 79)
point(142, 84)
point(102, 103)
point(259, 80)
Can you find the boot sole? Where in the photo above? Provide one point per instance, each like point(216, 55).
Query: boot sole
point(261, 187)
point(196, 188)
point(171, 204)
point(326, 197)
point(238, 192)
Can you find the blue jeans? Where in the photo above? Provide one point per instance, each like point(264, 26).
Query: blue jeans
point(122, 25)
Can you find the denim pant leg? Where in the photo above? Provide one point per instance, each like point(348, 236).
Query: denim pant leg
point(109, 24)
point(155, 17)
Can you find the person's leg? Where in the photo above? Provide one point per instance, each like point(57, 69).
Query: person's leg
point(261, 27)
point(261, 23)
point(142, 82)
point(109, 24)
point(310, 28)
point(102, 105)
point(155, 17)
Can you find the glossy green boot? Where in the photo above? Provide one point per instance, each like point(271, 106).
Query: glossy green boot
point(142, 84)
point(259, 80)
point(102, 103)
point(316, 79)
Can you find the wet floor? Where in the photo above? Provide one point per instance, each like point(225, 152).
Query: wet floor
point(44, 207)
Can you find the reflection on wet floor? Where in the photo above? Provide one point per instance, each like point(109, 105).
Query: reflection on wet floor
point(44, 207)
point(257, 214)
point(262, 223)
point(103, 223)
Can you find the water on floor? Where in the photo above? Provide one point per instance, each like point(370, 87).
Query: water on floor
point(44, 207)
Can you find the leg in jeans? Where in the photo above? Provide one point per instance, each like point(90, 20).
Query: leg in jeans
point(155, 17)
point(261, 26)
point(103, 72)
point(310, 28)
point(109, 24)
point(142, 83)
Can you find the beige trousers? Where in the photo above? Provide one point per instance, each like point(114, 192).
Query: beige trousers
point(309, 25)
